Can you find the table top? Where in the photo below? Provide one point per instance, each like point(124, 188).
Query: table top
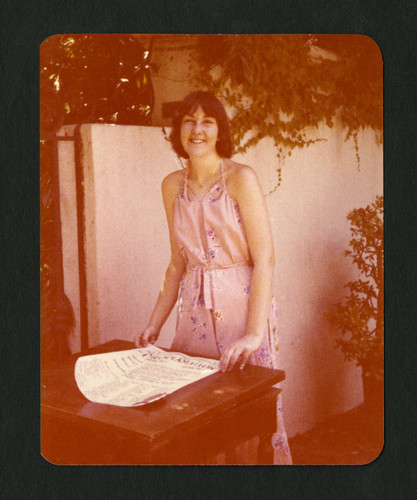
point(187, 407)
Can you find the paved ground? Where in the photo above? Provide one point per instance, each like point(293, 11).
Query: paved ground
point(356, 437)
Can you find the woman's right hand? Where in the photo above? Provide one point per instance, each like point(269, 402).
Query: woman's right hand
point(148, 336)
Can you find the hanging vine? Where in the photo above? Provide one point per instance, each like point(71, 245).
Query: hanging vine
point(285, 86)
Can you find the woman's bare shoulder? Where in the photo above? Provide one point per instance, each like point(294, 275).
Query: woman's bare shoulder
point(239, 175)
point(172, 182)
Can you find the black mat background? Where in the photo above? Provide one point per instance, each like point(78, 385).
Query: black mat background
point(25, 24)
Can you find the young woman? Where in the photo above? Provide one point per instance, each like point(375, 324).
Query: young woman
point(222, 258)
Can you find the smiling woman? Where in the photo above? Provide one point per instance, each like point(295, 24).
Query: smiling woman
point(212, 108)
point(221, 267)
point(198, 133)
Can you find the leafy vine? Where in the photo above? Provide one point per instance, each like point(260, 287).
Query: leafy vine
point(285, 86)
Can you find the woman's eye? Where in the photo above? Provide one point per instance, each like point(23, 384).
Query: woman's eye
point(192, 121)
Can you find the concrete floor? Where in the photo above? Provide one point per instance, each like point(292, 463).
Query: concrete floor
point(353, 438)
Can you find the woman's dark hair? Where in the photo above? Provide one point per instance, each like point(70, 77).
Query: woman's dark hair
point(213, 108)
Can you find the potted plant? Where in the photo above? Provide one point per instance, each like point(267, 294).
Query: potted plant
point(359, 319)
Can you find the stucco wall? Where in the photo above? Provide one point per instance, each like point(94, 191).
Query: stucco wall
point(174, 79)
point(320, 186)
point(128, 249)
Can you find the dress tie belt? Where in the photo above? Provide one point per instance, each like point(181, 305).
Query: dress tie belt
point(203, 282)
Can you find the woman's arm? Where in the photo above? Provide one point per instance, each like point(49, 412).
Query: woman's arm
point(244, 186)
point(169, 290)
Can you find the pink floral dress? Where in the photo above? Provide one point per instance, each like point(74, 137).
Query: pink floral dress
point(213, 295)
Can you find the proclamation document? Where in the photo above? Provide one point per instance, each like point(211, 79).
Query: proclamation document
point(138, 376)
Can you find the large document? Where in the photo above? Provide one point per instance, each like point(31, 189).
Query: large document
point(138, 376)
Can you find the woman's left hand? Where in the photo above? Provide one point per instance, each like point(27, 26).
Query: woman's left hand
point(239, 351)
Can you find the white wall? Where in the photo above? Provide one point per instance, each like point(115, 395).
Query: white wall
point(128, 249)
point(320, 185)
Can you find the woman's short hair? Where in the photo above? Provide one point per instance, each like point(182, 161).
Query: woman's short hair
point(213, 108)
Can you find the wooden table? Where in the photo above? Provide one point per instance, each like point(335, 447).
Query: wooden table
point(189, 426)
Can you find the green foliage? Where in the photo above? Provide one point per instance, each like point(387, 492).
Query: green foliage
point(282, 86)
point(94, 78)
point(360, 317)
point(84, 78)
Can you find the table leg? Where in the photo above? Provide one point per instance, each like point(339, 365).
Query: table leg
point(265, 449)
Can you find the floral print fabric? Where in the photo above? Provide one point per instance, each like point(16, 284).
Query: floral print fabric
point(214, 292)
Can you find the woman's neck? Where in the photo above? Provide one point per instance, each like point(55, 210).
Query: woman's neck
point(201, 170)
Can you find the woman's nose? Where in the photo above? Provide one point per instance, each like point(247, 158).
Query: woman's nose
point(197, 126)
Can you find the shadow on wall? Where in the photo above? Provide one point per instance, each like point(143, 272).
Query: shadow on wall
point(337, 381)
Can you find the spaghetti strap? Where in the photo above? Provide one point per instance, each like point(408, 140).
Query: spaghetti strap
point(184, 187)
point(222, 173)
point(220, 185)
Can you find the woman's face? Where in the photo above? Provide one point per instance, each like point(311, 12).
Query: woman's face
point(199, 133)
